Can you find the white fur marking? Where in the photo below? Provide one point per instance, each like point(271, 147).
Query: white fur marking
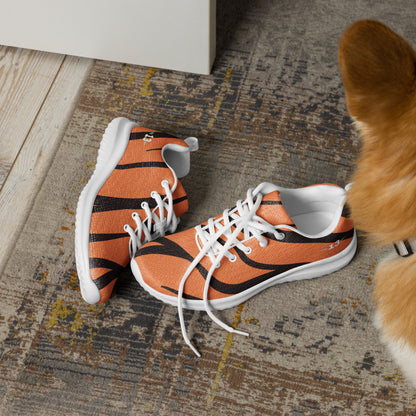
point(403, 354)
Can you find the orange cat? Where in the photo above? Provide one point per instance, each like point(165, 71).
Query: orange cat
point(378, 68)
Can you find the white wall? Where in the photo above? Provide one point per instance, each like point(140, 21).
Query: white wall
point(173, 34)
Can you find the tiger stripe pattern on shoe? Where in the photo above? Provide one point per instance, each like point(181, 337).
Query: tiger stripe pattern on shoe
point(261, 271)
point(116, 192)
point(275, 235)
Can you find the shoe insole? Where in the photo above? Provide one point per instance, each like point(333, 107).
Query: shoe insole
point(313, 222)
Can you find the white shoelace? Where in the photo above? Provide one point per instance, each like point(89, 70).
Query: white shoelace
point(243, 217)
point(153, 226)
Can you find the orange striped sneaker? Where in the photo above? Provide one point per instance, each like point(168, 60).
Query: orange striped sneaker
point(132, 197)
point(275, 235)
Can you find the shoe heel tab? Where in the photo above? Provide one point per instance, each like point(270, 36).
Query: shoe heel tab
point(192, 143)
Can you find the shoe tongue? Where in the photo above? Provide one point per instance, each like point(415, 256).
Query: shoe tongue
point(271, 209)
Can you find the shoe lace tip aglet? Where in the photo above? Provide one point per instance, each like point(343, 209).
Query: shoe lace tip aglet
point(236, 331)
point(195, 351)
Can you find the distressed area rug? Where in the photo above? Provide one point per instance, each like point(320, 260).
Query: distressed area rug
point(272, 110)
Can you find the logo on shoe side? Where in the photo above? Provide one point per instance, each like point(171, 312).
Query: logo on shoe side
point(148, 137)
point(332, 245)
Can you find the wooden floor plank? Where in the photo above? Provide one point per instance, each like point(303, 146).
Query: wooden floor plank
point(25, 79)
point(35, 156)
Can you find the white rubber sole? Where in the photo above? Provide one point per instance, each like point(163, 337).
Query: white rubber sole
point(112, 147)
point(307, 271)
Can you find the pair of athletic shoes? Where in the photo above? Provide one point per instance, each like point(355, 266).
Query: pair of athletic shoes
point(129, 211)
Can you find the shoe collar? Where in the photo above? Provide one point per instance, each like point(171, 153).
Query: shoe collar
point(338, 195)
point(177, 157)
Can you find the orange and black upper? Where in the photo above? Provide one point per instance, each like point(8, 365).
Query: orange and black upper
point(139, 172)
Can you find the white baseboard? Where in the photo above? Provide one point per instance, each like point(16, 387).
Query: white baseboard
point(172, 34)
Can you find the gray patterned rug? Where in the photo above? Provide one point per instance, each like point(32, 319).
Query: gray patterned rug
point(272, 110)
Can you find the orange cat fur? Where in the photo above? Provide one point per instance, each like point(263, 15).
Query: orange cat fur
point(378, 69)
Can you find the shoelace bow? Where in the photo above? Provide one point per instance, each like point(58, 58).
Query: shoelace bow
point(153, 226)
point(243, 217)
